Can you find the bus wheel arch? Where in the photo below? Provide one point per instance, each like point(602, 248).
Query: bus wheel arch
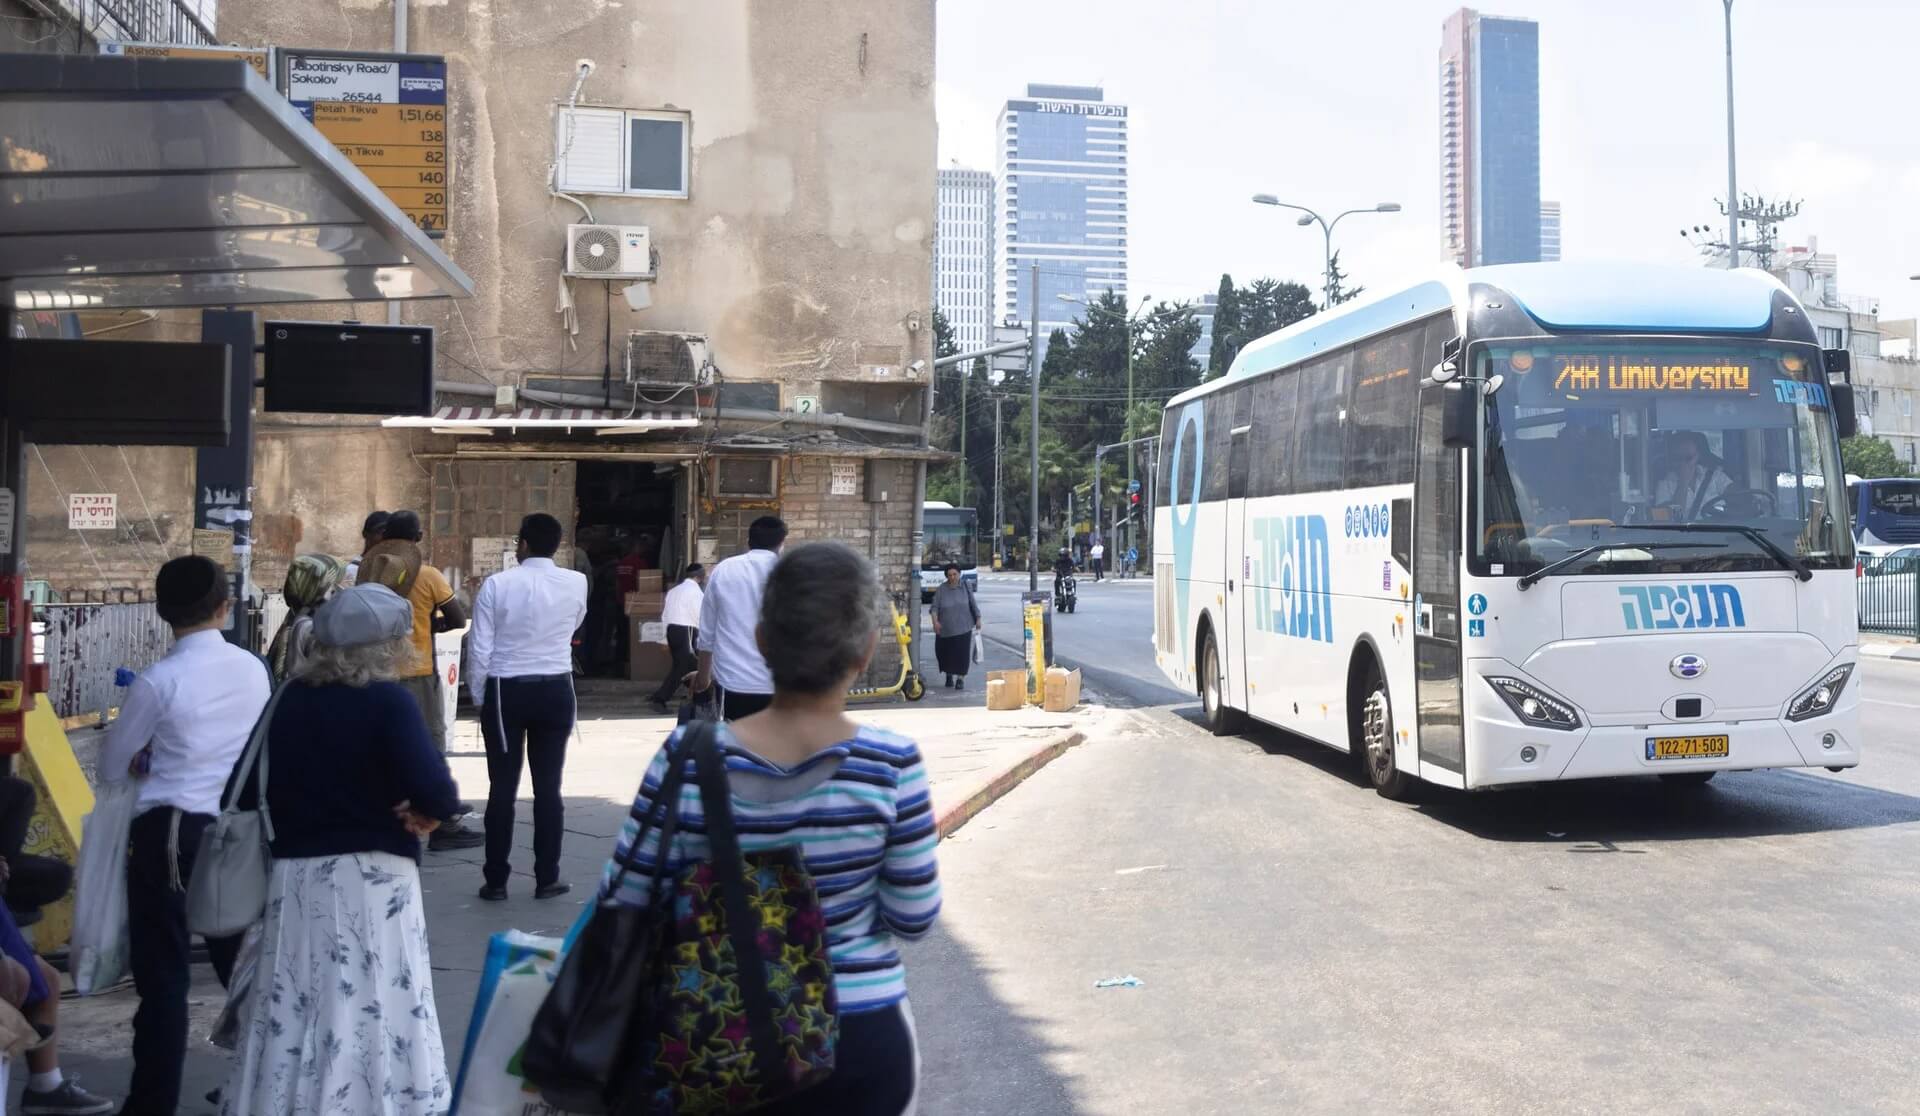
point(1372, 735)
point(1210, 676)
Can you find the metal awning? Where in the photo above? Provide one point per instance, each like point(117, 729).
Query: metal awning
point(149, 182)
point(466, 420)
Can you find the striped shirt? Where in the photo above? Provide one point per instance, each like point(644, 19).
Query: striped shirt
point(865, 833)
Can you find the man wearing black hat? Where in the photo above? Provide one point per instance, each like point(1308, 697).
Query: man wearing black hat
point(183, 725)
point(372, 533)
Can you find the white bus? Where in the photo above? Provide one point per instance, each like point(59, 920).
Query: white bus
point(1522, 523)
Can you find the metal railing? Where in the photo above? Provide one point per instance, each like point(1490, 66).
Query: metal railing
point(189, 22)
point(85, 645)
point(1888, 587)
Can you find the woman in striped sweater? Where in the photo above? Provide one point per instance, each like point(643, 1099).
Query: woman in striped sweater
point(853, 800)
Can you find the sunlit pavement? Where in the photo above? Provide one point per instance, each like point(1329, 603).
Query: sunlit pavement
point(1304, 945)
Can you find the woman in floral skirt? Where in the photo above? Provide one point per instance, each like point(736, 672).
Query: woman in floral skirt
point(341, 1015)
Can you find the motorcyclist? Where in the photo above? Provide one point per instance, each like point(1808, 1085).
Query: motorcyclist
point(1062, 567)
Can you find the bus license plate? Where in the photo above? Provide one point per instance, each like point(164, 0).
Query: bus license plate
point(1686, 747)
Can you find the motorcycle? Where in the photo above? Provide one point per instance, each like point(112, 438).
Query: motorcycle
point(1065, 594)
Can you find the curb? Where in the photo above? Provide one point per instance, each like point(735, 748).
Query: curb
point(1899, 651)
point(950, 819)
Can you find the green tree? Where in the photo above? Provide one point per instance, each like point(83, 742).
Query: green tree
point(943, 344)
point(1337, 291)
point(1864, 455)
point(1227, 336)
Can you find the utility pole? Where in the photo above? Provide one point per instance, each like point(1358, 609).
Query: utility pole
point(999, 529)
point(1099, 456)
point(963, 446)
point(1033, 429)
point(1733, 195)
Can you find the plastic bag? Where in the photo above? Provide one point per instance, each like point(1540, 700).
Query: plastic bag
point(979, 646)
point(98, 947)
point(514, 982)
point(246, 963)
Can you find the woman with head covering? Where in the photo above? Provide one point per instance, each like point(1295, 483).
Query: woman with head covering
point(956, 616)
point(345, 1020)
point(311, 579)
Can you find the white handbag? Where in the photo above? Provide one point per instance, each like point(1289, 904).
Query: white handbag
point(228, 889)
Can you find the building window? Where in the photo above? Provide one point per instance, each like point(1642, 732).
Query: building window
point(637, 152)
point(1873, 401)
point(746, 477)
point(1906, 404)
point(1833, 337)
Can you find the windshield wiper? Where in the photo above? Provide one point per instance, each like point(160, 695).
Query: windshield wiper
point(1773, 549)
point(1562, 563)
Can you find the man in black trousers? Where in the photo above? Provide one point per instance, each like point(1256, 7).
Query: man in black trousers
point(520, 670)
point(682, 617)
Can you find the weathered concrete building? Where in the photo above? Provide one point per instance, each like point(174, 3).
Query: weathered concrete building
point(781, 160)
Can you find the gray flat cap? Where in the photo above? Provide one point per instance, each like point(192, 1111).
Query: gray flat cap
point(361, 615)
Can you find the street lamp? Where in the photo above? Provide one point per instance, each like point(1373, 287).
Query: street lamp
point(1131, 320)
point(1326, 227)
point(1733, 196)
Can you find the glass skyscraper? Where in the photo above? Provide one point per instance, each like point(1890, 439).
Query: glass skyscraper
point(1063, 201)
point(963, 255)
point(1489, 139)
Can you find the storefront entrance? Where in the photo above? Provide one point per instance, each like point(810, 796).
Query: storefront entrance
point(630, 538)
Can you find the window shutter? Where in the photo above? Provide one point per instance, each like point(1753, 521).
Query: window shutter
point(594, 159)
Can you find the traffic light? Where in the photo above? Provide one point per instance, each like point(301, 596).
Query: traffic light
point(1133, 501)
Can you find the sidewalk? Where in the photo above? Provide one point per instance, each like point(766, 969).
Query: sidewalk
point(973, 756)
point(1878, 645)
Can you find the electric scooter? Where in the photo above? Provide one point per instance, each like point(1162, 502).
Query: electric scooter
point(909, 685)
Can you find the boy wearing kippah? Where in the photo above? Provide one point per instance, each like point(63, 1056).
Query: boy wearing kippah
point(182, 728)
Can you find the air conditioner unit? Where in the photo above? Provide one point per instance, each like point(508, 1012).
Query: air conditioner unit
point(609, 252)
point(668, 358)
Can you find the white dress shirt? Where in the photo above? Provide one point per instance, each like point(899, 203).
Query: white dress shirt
point(683, 604)
point(523, 623)
point(197, 707)
point(729, 616)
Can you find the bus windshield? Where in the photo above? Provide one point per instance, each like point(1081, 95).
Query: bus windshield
point(1712, 449)
point(949, 538)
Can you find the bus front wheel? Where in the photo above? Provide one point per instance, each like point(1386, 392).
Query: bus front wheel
point(1213, 690)
point(1374, 740)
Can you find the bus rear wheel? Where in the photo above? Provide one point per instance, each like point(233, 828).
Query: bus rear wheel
point(1373, 742)
point(1213, 690)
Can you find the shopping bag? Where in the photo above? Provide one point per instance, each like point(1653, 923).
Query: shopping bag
point(519, 968)
point(246, 964)
point(979, 646)
point(98, 946)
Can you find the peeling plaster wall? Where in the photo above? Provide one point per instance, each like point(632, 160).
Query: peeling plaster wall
point(803, 251)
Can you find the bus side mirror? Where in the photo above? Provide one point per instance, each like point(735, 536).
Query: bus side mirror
point(1839, 362)
point(1843, 416)
point(1457, 415)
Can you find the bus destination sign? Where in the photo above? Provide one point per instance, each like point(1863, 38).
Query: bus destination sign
point(1641, 372)
point(387, 113)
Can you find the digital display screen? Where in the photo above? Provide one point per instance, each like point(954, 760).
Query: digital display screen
point(1650, 372)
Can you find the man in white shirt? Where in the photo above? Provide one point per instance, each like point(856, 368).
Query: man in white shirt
point(682, 618)
point(1099, 557)
point(1694, 480)
point(729, 643)
point(520, 670)
point(183, 726)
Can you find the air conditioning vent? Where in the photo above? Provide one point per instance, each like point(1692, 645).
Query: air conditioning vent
point(609, 252)
point(665, 357)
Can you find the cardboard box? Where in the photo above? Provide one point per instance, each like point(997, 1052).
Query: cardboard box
point(647, 662)
point(648, 605)
point(1063, 690)
point(1006, 689)
point(649, 581)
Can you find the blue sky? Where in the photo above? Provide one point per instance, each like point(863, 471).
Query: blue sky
point(1335, 106)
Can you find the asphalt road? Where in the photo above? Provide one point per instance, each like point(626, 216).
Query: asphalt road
point(1306, 946)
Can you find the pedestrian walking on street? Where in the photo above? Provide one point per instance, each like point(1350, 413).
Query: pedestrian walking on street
point(182, 728)
point(435, 609)
point(682, 617)
point(342, 1016)
point(520, 672)
point(851, 800)
point(956, 616)
point(728, 643)
point(1098, 558)
point(373, 532)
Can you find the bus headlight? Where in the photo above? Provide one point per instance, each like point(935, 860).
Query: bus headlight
point(1819, 697)
point(1533, 706)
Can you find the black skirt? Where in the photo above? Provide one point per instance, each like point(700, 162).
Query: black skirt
point(954, 652)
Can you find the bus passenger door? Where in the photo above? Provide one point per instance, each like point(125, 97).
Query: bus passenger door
point(1436, 593)
point(1239, 560)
